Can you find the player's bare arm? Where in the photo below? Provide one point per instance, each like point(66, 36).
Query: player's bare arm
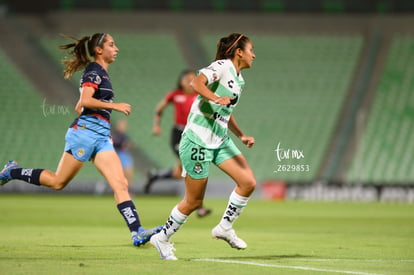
point(199, 85)
point(233, 126)
point(156, 129)
point(87, 101)
point(78, 107)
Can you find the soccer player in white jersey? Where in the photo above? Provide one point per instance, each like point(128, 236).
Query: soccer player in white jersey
point(205, 140)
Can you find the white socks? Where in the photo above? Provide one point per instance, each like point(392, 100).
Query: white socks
point(173, 223)
point(234, 208)
point(177, 219)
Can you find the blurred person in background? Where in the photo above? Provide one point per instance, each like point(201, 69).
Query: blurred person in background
point(123, 146)
point(88, 138)
point(182, 98)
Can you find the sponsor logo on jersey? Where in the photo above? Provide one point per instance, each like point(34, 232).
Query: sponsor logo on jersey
point(217, 116)
point(214, 77)
point(179, 98)
point(233, 101)
point(98, 80)
point(94, 78)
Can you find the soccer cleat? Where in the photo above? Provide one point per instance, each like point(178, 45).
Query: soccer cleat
point(202, 212)
point(229, 236)
point(165, 249)
point(5, 173)
point(144, 235)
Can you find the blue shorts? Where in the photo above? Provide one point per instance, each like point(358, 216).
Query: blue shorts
point(84, 144)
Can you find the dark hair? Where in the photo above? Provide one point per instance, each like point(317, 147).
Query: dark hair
point(181, 76)
point(226, 46)
point(82, 50)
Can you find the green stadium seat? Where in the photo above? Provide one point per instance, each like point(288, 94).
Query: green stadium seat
point(384, 151)
point(27, 135)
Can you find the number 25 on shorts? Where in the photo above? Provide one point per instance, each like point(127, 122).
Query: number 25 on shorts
point(198, 154)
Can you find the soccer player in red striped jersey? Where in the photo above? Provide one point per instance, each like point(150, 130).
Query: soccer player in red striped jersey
point(181, 98)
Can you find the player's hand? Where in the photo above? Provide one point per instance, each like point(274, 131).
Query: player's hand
point(249, 141)
point(223, 100)
point(123, 108)
point(156, 130)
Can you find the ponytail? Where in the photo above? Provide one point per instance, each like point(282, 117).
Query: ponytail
point(83, 50)
point(226, 46)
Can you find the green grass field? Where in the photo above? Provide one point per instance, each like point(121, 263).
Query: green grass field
point(64, 234)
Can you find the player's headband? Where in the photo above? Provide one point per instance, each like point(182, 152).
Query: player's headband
point(100, 39)
point(234, 43)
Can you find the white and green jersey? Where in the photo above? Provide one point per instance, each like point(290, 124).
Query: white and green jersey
point(207, 121)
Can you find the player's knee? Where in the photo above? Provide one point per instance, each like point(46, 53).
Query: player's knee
point(249, 185)
point(252, 185)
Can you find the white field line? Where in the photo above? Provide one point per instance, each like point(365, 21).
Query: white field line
point(287, 266)
point(355, 260)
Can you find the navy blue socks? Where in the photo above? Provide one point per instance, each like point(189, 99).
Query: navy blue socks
point(28, 175)
point(130, 214)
